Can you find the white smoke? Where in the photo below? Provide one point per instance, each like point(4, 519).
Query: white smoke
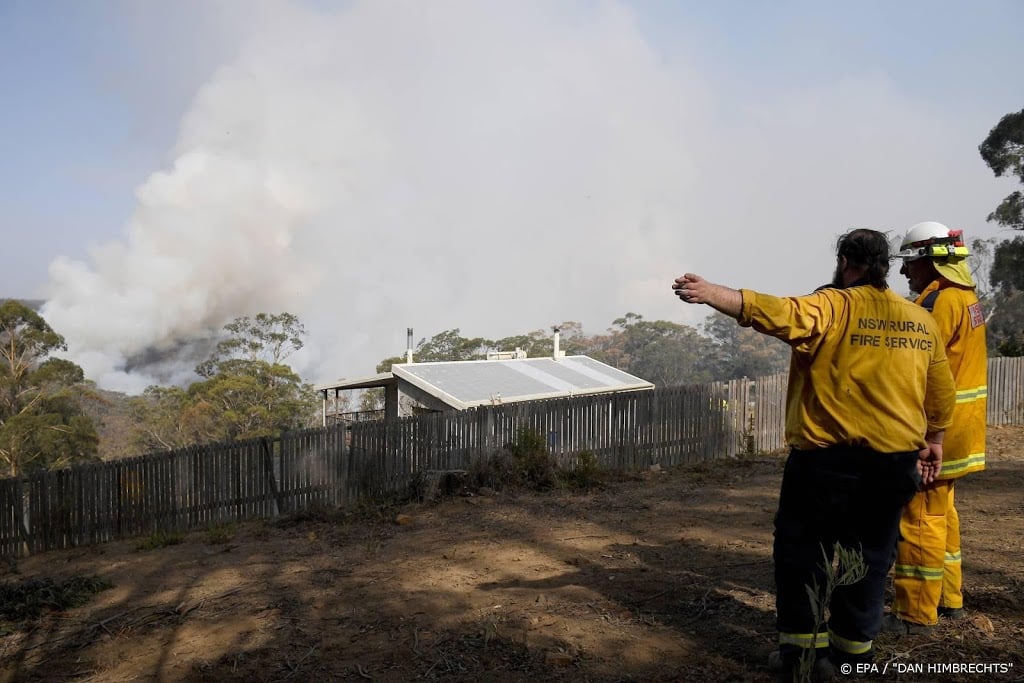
point(496, 167)
point(493, 166)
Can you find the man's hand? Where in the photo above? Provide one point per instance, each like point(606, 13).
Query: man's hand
point(693, 289)
point(929, 462)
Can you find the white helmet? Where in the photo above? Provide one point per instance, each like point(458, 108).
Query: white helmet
point(945, 247)
point(930, 239)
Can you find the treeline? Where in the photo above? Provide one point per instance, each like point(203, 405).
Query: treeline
point(246, 389)
point(662, 352)
point(52, 416)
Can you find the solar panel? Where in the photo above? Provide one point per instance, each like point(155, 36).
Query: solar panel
point(463, 384)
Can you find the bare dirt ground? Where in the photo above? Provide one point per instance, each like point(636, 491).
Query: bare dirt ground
point(660, 576)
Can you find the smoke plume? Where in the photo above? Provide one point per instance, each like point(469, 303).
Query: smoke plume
point(496, 167)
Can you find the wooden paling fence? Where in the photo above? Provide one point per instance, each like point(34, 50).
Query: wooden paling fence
point(174, 491)
point(623, 431)
point(1006, 391)
point(198, 487)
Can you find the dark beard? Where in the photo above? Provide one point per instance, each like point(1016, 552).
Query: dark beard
point(837, 279)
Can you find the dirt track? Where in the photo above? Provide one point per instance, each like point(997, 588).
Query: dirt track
point(663, 576)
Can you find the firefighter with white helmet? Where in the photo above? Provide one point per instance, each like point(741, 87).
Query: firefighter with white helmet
point(944, 248)
point(928, 574)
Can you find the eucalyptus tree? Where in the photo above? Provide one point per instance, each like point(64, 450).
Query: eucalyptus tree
point(42, 424)
point(246, 390)
point(1003, 151)
point(1006, 324)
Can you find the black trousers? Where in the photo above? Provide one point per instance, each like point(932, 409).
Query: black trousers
point(853, 496)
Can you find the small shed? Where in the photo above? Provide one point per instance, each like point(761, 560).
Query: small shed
point(458, 385)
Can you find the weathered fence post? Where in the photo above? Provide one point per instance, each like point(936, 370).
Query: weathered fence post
point(268, 470)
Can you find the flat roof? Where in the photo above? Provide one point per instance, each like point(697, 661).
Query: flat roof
point(464, 384)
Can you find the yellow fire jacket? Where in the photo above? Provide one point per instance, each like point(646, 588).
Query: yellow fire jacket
point(868, 367)
point(962, 325)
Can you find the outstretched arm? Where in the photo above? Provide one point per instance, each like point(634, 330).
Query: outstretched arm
point(693, 289)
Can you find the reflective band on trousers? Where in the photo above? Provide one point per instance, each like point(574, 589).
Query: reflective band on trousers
point(804, 640)
point(853, 647)
point(953, 558)
point(971, 461)
point(969, 395)
point(926, 573)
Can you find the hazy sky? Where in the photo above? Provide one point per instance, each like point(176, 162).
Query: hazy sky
point(493, 166)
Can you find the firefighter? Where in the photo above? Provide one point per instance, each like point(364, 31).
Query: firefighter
point(927, 574)
point(862, 440)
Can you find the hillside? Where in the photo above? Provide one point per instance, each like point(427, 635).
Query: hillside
point(109, 411)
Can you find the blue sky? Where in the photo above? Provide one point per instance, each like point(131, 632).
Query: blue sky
point(93, 92)
point(497, 167)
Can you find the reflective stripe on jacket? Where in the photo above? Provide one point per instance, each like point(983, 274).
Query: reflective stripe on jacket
point(868, 367)
point(962, 325)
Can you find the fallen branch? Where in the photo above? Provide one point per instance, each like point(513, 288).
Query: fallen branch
point(573, 538)
point(181, 610)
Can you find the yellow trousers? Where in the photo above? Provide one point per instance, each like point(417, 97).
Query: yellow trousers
point(927, 571)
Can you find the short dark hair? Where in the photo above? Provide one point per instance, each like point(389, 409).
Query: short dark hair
point(868, 249)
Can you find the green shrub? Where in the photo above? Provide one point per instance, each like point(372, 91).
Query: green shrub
point(220, 533)
point(532, 465)
point(161, 539)
point(491, 471)
point(30, 598)
point(586, 475)
point(528, 464)
point(846, 568)
point(314, 513)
